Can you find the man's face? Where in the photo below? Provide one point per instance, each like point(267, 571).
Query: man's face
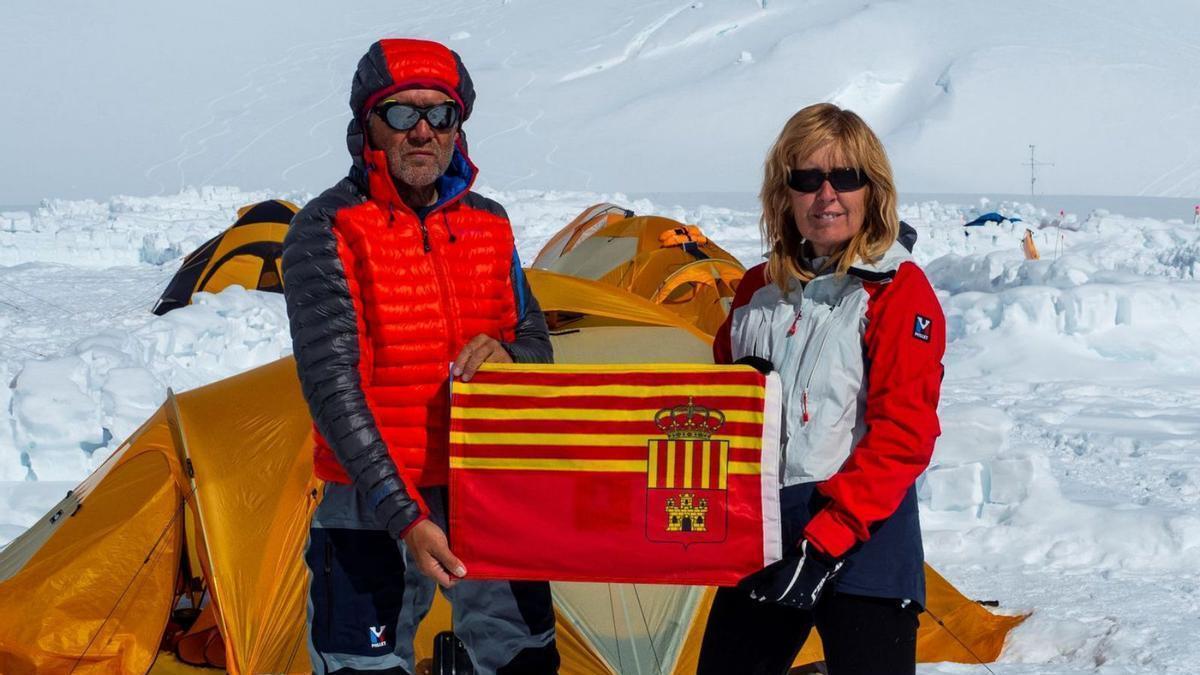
point(419, 156)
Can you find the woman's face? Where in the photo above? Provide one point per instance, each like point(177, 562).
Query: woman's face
point(828, 219)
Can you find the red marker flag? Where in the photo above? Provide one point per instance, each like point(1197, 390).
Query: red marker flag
point(622, 473)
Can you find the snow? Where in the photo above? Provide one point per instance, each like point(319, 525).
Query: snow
point(659, 95)
point(1067, 479)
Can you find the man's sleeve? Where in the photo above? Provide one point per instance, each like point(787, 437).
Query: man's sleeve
point(329, 344)
point(532, 341)
point(904, 343)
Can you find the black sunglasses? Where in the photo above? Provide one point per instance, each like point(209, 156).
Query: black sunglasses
point(842, 180)
point(405, 116)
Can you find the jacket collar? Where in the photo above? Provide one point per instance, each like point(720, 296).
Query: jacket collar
point(451, 186)
point(885, 268)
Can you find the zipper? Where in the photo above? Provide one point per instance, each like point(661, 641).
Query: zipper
point(443, 283)
point(804, 417)
point(424, 234)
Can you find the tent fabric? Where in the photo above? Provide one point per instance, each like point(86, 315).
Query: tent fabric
point(637, 629)
point(645, 255)
point(628, 344)
point(597, 303)
point(246, 254)
point(169, 664)
point(203, 644)
point(104, 580)
point(94, 597)
point(258, 590)
point(583, 226)
point(991, 217)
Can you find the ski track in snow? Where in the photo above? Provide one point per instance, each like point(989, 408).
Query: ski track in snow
point(632, 48)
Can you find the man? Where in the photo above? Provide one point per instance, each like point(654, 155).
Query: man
point(389, 276)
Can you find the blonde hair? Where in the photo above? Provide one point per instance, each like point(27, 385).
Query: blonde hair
point(809, 130)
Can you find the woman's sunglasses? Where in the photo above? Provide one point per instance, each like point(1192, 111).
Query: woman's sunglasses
point(404, 116)
point(842, 180)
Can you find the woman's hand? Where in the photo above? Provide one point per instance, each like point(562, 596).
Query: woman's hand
point(796, 581)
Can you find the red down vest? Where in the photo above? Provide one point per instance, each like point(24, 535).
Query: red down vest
point(381, 301)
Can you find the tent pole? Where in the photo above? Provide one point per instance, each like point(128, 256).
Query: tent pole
point(960, 642)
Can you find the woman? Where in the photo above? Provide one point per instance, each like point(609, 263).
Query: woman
point(856, 333)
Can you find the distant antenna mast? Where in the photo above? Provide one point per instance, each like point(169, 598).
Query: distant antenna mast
point(1033, 165)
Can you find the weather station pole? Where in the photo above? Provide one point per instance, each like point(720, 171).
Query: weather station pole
point(1033, 165)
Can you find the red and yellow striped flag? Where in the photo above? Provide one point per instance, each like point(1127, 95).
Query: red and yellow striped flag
point(643, 473)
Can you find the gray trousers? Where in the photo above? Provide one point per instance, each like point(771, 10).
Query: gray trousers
point(366, 596)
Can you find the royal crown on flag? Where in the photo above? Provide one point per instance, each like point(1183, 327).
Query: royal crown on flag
point(689, 421)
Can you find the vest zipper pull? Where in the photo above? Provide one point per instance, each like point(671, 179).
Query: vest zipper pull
point(425, 236)
point(804, 406)
point(792, 331)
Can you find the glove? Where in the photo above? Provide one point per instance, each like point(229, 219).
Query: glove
point(756, 362)
point(796, 581)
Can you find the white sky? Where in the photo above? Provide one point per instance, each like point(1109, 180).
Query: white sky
point(143, 97)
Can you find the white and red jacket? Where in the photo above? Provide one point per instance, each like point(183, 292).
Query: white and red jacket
point(860, 357)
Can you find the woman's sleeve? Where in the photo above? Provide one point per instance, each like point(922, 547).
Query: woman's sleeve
point(754, 279)
point(903, 347)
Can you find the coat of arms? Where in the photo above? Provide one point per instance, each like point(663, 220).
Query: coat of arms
point(687, 476)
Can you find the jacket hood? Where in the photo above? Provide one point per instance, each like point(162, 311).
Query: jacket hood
point(397, 64)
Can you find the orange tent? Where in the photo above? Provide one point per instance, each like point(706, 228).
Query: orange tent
point(670, 264)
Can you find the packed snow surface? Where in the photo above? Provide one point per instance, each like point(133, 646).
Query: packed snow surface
point(145, 96)
point(1066, 482)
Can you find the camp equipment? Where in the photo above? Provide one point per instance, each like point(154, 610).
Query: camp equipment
point(666, 262)
point(246, 254)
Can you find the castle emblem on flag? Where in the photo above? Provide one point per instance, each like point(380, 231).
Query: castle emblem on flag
point(687, 476)
point(686, 516)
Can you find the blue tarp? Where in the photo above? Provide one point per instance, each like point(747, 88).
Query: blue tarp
point(992, 217)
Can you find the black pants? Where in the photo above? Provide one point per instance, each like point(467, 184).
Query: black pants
point(861, 635)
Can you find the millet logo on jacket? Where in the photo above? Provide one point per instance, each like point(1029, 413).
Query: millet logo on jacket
point(377, 633)
point(921, 328)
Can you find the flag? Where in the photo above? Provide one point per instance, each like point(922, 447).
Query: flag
point(615, 473)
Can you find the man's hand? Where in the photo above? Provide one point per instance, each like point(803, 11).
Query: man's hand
point(796, 581)
point(480, 350)
point(428, 547)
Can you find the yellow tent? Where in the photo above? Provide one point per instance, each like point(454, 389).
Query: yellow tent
point(90, 587)
point(666, 262)
point(246, 254)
